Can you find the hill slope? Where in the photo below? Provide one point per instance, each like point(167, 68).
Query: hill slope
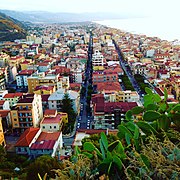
point(10, 29)
point(61, 17)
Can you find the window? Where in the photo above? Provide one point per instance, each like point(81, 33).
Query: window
point(43, 127)
point(54, 127)
point(15, 119)
point(50, 127)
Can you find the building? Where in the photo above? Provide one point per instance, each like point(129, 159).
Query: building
point(12, 72)
point(3, 59)
point(2, 139)
point(76, 76)
point(24, 65)
point(12, 98)
point(26, 139)
point(85, 133)
point(16, 60)
point(98, 61)
point(39, 79)
point(52, 121)
point(43, 67)
point(45, 104)
point(4, 105)
point(127, 96)
point(2, 81)
point(44, 89)
point(104, 77)
point(109, 114)
point(107, 87)
point(3, 93)
point(48, 143)
point(5, 119)
point(21, 78)
point(27, 113)
point(63, 82)
point(55, 99)
point(33, 142)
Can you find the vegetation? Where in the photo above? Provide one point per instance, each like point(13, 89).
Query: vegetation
point(127, 83)
point(42, 165)
point(11, 29)
point(67, 107)
point(140, 81)
point(146, 145)
point(9, 162)
point(88, 99)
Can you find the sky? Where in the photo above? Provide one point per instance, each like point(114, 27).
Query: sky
point(142, 7)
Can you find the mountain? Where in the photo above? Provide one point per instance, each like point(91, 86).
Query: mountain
point(49, 17)
point(10, 28)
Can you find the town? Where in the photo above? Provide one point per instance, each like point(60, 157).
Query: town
point(65, 82)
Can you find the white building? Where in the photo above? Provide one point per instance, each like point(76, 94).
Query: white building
point(55, 99)
point(3, 93)
point(4, 105)
point(21, 78)
point(98, 59)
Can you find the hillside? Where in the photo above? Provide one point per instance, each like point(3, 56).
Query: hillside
point(11, 29)
point(61, 17)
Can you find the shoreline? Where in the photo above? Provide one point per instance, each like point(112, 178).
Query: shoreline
point(134, 26)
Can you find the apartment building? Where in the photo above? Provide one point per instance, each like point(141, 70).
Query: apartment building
point(55, 99)
point(109, 114)
point(39, 79)
point(52, 121)
point(21, 78)
point(27, 113)
point(98, 61)
point(12, 98)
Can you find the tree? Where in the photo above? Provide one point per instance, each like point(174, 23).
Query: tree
point(67, 107)
point(42, 165)
point(2, 154)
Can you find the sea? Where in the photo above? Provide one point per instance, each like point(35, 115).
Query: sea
point(166, 28)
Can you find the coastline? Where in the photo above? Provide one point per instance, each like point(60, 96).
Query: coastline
point(151, 27)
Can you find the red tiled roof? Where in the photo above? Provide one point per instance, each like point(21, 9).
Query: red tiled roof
point(109, 107)
point(75, 85)
point(47, 88)
point(50, 120)
point(97, 98)
point(13, 95)
point(25, 62)
point(61, 69)
point(16, 57)
point(26, 72)
point(4, 113)
point(48, 112)
point(111, 86)
point(2, 102)
point(27, 137)
point(48, 136)
point(159, 91)
point(46, 144)
point(26, 100)
point(43, 64)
